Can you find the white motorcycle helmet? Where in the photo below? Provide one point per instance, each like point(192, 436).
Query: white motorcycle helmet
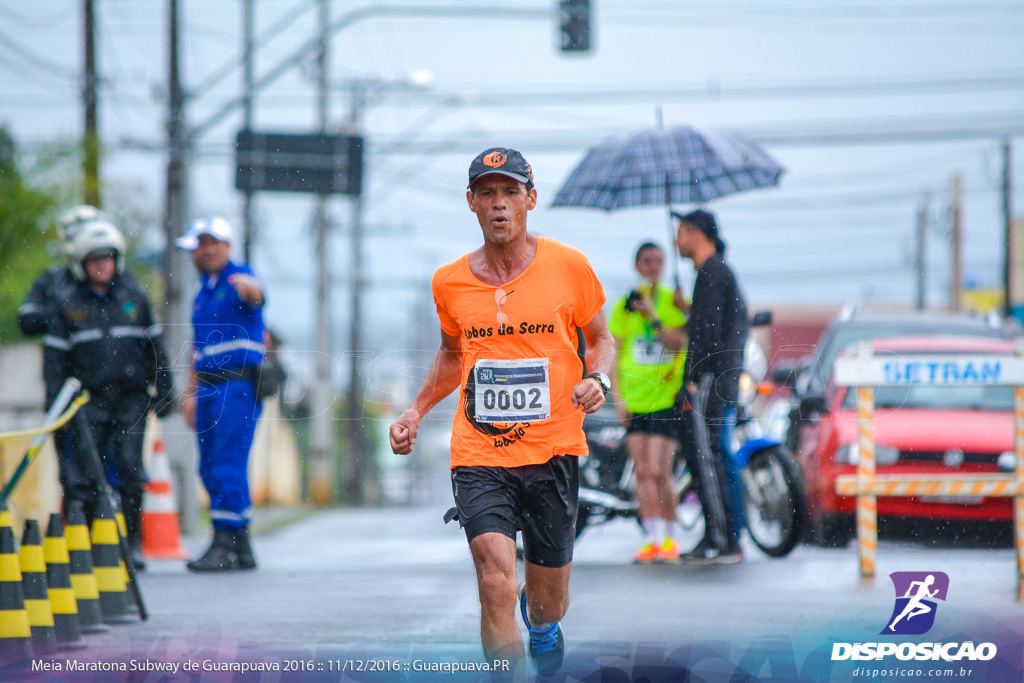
point(72, 220)
point(91, 236)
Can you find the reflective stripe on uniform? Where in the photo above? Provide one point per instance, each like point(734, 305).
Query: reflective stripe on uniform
point(85, 336)
point(29, 308)
point(155, 330)
point(56, 342)
point(224, 514)
point(226, 347)
point(128, 331)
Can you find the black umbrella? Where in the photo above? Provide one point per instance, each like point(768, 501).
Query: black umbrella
point(677, 165)
point(666, 166)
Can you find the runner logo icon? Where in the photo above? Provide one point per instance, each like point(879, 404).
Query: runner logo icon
point(916, 595)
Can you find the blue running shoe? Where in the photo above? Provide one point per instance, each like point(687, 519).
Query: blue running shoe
point(547, 646)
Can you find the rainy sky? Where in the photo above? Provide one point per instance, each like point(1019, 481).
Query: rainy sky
point(847, 94)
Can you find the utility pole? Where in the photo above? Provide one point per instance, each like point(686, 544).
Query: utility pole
point(321, 485)
point(1007, 226)
point(174, 201)
point(248, 58)
point(91, 141)
point(354, 464)
point(955, 215)
point(920, 255)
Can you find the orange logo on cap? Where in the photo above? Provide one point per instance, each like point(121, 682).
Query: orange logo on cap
point(494, 159)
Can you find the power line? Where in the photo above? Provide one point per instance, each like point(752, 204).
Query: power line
point(225, 69)
point(43, 65)
point(26, 21)
point(714, 92)
point(771, 91)
point(884, 130)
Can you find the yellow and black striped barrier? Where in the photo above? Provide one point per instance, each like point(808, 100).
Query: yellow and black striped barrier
point(15, 630)
point(51, 592)
point(58, 577)
point(83, 581)
point(107, 566)
point(33, 581)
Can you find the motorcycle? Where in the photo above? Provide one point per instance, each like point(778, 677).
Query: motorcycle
point(775, 500)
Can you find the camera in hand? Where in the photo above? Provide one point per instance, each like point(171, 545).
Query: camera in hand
point(632, 300)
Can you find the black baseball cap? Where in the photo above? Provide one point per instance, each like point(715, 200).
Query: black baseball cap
point(507, 162)
point(705, 222)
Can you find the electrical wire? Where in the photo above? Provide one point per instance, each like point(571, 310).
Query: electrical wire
point(30, 22)
point(51, 69)
point(275, 29)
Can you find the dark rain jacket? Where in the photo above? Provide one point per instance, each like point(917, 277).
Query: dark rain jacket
point(717, 328)
point(111, 343)
point(40, 305)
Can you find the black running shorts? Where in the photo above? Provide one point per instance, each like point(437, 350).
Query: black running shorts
point(540, 500)
point(661, 422)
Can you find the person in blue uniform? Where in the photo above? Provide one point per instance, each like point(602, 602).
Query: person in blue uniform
point(220, 403)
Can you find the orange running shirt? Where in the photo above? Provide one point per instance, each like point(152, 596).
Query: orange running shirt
point(557, 294)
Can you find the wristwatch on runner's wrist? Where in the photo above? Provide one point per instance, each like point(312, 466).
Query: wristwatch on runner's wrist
point(603, 380)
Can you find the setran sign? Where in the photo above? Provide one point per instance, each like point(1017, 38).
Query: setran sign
point(895, 370)
point(281, 162)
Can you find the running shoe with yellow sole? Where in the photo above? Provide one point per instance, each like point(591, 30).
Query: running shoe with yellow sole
point(669, 551)
point(647, 554)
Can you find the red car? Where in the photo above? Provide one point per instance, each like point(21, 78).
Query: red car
point(919, 429)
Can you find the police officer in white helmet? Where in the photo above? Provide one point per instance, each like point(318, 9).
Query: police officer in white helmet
point(45, 290)
point(101, 330)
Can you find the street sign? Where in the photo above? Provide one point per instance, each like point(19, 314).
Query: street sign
point(281, 162)
point(897, 370)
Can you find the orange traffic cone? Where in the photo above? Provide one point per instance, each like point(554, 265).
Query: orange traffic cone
point(161, 534)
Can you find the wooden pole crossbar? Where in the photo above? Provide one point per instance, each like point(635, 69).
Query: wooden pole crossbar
point(861, 373)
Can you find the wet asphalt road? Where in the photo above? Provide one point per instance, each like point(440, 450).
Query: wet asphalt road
point(385, 577)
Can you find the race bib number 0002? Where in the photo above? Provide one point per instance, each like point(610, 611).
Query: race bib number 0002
point(512, 390)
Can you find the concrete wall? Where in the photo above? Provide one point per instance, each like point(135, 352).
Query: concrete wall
point(21, 407)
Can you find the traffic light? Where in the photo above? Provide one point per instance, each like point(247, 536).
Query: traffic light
point(574, 16)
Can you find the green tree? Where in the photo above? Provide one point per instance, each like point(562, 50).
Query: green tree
point(24, 233)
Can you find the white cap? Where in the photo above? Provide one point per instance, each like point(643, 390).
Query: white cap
point(214, 226)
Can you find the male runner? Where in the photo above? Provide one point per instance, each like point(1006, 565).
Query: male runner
point(514, 315)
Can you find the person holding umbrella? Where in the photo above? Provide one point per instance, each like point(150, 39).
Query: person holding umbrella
point(717, 331)
point(650, 353)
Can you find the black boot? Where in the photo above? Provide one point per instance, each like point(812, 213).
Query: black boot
point(220, 557)
point(700, 553)
point(131, 504)
point(243, 549)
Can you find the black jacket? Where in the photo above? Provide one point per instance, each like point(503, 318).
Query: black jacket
point(110, 343)
point(717, 328)
point(45, 294)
